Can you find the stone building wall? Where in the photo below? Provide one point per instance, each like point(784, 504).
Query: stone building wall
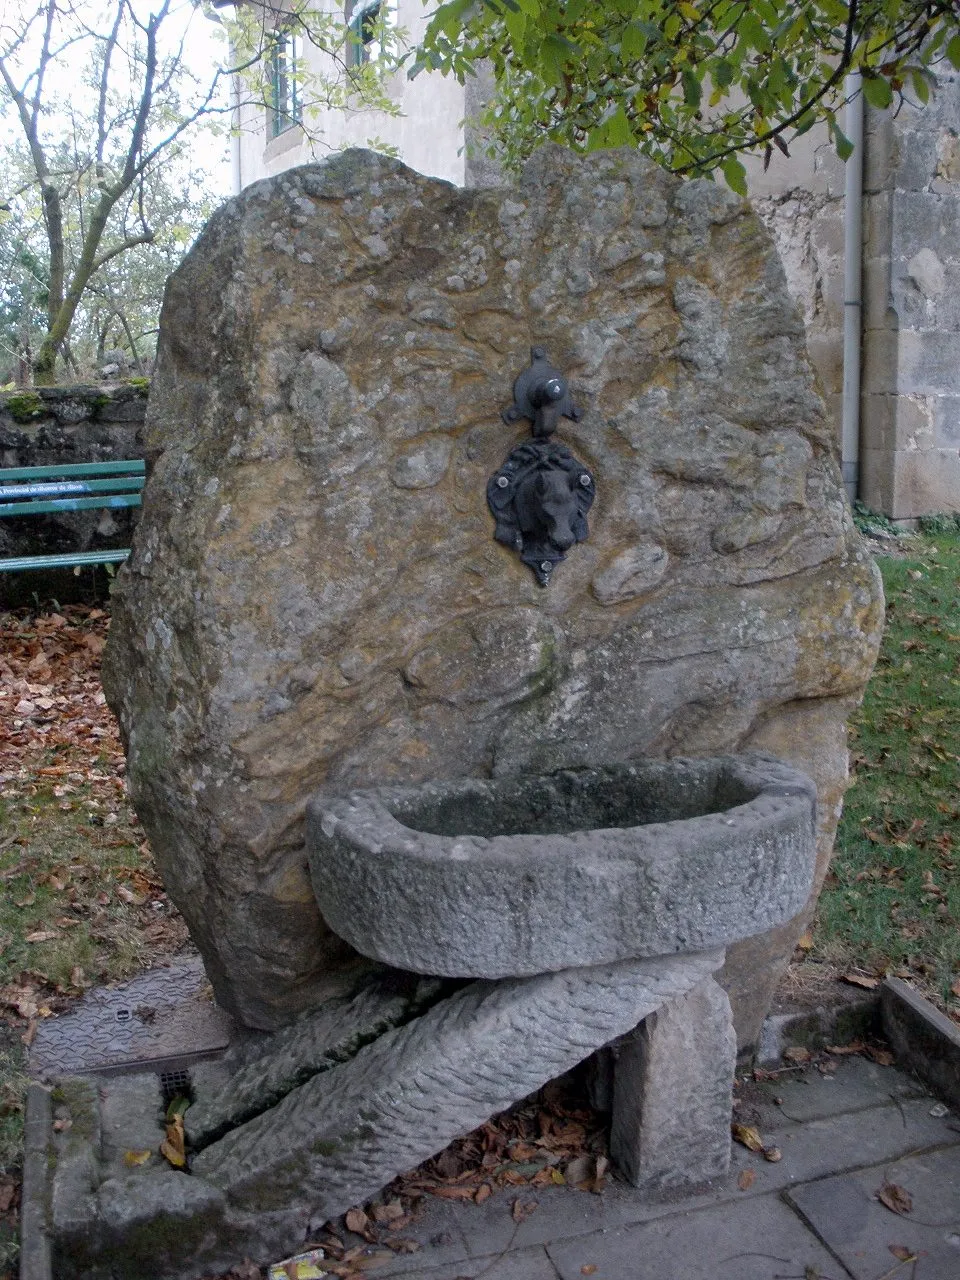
point(910, 463)
point(800, 199)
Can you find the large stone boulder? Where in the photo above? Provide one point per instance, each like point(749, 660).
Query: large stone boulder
point(315, 596)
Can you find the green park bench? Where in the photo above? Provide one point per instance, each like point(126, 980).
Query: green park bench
point(80, 486)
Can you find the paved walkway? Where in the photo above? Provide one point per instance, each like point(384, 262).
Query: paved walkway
point(814, 1215)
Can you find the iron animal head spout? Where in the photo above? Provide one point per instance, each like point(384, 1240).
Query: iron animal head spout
point(540, 498)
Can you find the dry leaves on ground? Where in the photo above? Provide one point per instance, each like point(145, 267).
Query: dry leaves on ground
point(896, 1199)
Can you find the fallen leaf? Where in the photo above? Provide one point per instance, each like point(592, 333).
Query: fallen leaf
point(28, 901)
point(955, 987)
point(882, 1057)
point(797, 1053)
point(773, 1154)
point(588, 1269)
point(805, 941)
point(173, 1147)
point(855, 1046)
point(356, 1221)
point(599, 1175)
point(746, 1180)
point(748, 1136)
point(861, 980)
point(30, 1034)
point(62, 1125)
point(8, 1191)
point(895, 1198)
point(579, 1170)
point(41, 935)
point(454, 1193)
point(389, 1212)
point(484, 1192)
point(136, 1158)
point(902, 1253)
point(404, 1245)
point(522, 1209)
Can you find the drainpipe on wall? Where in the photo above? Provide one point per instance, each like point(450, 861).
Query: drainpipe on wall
point(235, 139)
point(852, 291)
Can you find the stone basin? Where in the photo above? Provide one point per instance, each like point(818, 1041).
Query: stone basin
point(522, 875)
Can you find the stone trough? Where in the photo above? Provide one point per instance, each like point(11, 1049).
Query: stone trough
point(515, 876)
point(636, 875)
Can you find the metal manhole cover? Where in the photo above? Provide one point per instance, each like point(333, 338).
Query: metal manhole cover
point(163, 1019)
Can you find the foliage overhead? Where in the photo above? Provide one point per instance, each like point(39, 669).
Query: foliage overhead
point(691, 83)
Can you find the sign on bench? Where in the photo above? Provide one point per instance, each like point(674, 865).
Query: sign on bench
point(82, 486)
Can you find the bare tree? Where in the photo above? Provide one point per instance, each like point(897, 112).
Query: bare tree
point(103, 94)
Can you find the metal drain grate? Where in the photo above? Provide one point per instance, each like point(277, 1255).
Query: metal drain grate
point(163, 1019)
point(175, 1084)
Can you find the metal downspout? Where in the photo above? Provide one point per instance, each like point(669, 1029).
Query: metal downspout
point(235, 139)
point(852, 288)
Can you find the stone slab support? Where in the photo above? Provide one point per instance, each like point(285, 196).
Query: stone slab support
point(343, 1135)
point(673, 1083)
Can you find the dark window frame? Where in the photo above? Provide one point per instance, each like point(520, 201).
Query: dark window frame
point(362, 17)
point(285, 110)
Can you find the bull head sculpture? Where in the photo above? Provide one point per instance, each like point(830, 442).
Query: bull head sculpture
point(541, 495)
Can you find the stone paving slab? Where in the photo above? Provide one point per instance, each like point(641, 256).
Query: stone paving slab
point(858, 1083)
point(846, 1214)
point(814, 1150)
point(524, 1264)
point(758, 1239)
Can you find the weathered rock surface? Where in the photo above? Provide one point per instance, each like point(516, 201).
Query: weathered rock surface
point(347, 1132)
point(509, 877)
point(310, 1046)
point(315, 597)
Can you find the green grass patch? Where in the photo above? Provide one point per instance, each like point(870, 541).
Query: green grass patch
point(892, 899)
point(69, 869)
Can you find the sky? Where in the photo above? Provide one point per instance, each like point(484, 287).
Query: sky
point(205, 48)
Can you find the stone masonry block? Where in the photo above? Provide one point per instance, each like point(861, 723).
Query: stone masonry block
point(314, 1044)
point(315, 586)
point(672, 1093)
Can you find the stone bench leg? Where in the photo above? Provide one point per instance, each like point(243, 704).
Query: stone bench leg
point(673, 1090)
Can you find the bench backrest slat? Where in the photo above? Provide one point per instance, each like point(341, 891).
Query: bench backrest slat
point(70, 470)
point(61, 489)
point(69, 504)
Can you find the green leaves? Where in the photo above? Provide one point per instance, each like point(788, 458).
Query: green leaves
point(877, 91)
point(734, 175)
point(599, 73)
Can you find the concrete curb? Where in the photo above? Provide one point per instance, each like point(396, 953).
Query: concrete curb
point(923, 1039)
point(35, 1258)
point(837, 1023)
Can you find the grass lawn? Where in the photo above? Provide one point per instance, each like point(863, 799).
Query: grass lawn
point(892, 899)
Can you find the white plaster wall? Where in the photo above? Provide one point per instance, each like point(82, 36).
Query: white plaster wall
point(428, 133)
